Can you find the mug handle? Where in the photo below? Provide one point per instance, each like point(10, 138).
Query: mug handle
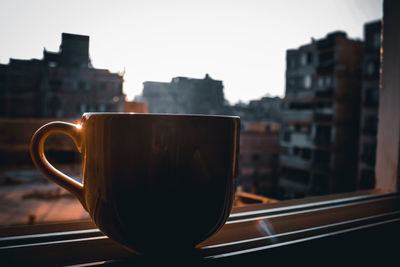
point(41, 162)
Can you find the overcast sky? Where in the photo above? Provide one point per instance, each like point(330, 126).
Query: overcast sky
point(242, 43)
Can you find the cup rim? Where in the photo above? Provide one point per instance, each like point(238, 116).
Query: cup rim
point(90, 114)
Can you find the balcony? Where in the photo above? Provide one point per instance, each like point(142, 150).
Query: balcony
point(323, 114)
point(298, 115)
point(298, 139)
point(294, 161)
point(286, 137)
point(303, 94)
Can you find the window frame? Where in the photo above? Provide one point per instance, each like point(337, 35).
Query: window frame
point(301, 228)
point(81, 242)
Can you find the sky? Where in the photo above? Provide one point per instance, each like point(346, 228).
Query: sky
point(243, 43)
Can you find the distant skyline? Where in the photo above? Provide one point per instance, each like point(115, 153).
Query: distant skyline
point(243, 43)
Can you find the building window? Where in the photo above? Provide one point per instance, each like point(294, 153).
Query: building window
point(74, 85)
point(306, 154)
point(328, 81)
point(370, 68)
point(292, 63)
point(325, 82)
point(82, 85)
point(255, 157)
point(103, 85)
point(307, 81)
point(56, 84)
point(321, 83)
point(368, 155)
point(370, 124)
point(371, 97)
point(83, 108)
point(303, 59)
point(291, 82)
point(367, 180)
point(102, 107)
point(377, 40)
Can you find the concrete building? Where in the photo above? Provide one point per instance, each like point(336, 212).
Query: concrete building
point(135, 107)
point(16, 134)
point(265, 109)
point(62, 84)
point(320, 117)
point(259, 158)
point(369, 105)
point(185, 96)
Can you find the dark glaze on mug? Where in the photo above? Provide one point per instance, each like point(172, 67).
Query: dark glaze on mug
point(155, 182)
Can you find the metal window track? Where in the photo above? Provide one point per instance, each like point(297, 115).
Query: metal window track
point(363, 225)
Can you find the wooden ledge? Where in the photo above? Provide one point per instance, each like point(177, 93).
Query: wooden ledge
point(358, 222)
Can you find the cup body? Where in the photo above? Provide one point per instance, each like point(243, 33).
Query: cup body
point(157, 182)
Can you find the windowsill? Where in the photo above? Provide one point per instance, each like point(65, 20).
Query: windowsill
point(359, 222)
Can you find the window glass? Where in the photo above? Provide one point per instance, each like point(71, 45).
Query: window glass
point(260, 60)
point(307, 81)
point(377, 40)
point(304, 59)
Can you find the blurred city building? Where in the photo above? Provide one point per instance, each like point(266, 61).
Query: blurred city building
point(266, 109)
point(62, 84)
point(321, 116)
point(369, 105)
point(206, 96)
point(260, 122)
point(259, 158)
point(16, 134)
point(135, 107)
point(184, 96)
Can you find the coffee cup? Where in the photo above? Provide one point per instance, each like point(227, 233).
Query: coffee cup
point(152, 182)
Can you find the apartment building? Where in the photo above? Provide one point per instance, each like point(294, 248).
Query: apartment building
point(319, 133)
point(369, 105)
point(63, 84)
point(185, 95)
point(259, 158)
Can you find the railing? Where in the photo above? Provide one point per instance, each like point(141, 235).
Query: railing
point(301, 140)
point(305, 94)
point(295, 161)
point(357, 227)
point(301, 115)
point(323, 114)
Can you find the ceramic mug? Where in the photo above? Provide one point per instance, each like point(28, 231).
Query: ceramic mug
point(152, 182)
